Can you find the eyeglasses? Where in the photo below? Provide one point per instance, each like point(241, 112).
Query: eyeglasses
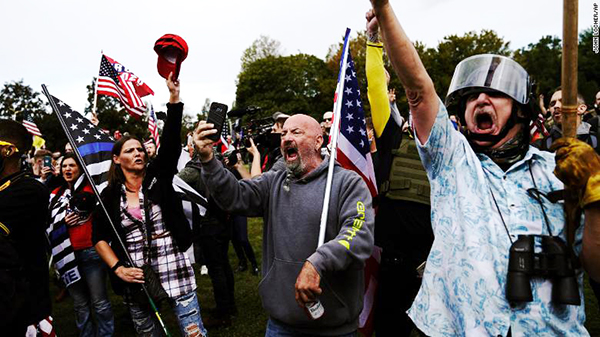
point(9, 144)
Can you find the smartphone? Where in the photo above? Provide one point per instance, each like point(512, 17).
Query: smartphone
point(47, 161)
point(216, 116)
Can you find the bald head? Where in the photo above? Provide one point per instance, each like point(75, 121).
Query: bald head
point(301, 141)
point(309, 124)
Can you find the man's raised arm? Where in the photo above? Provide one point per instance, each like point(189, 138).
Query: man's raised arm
point(420, 92)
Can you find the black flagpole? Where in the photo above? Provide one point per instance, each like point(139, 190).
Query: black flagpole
point(96, 192)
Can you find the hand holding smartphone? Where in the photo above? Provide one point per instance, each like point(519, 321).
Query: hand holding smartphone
point(216, 116)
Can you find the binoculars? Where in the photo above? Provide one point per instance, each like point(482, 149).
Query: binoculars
point(554, 262)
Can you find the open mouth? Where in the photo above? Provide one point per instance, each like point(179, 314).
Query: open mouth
point(139, 161)
point(68, 175)
point(484, 121)
point(291, 153)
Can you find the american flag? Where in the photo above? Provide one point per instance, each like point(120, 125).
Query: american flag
point(30, 125)
point(92, 143)
point(353, 153)
point(537, 128)
point(117, 81)
point(353, 150)
point(95, 148)
point(153, 126)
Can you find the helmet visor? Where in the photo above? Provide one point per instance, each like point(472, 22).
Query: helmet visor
point(490, 72)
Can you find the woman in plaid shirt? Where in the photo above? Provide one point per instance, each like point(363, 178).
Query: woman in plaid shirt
point(140, 198)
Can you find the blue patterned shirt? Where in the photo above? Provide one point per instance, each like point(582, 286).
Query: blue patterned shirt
point(463, 288)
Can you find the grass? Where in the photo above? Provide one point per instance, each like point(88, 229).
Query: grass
point(251, 319)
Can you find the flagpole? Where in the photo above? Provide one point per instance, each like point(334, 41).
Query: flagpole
point(337, 107)
point(96, 91)
point(100, 202)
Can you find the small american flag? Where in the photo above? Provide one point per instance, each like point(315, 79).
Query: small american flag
point(153, 126)
point(30, 125)
point(117, 81)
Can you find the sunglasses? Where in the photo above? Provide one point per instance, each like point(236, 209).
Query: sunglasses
point(9, 144)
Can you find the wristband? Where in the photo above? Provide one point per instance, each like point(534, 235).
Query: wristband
point(116, 266)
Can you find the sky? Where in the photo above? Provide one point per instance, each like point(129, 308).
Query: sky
point(59, 42)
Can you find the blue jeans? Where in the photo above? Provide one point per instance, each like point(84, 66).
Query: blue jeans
point(89, 293)
point(185, 307)
point(276, 329)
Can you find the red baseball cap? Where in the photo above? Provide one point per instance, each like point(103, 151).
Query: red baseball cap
point(171, 50)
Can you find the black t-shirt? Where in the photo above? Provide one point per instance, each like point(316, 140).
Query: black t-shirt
point(23, 211)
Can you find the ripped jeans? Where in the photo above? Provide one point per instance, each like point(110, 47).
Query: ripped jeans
point(186, 309)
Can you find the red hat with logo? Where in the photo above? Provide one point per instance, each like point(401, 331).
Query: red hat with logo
point(171, 50)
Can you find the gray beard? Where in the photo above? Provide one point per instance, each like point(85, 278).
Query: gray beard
point(296, 168)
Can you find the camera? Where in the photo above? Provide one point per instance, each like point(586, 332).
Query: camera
point(231, 156)
point(554, 262)
point(259, 130)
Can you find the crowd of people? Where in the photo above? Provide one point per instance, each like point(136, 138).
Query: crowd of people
point(469, 214)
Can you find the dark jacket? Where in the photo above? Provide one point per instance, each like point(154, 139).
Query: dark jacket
point(157, 187)
point(24, 291)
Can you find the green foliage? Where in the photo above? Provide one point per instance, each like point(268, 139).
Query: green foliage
point(358, 50)
point(17, 98)
point(588, 77)
point(113, 116)
point(542, 60)
point(291, 84)
point(262, 47)
point(441, 61)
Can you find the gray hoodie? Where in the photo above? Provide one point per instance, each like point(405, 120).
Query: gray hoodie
point(291, 209)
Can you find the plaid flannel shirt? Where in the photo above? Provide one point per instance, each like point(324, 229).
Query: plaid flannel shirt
point(172, 266)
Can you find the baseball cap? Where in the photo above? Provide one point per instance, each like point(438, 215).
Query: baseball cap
point(280, 115)
point(171, 50)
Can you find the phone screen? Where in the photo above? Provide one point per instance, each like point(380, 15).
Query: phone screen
point(47, 161)
point(216, 116)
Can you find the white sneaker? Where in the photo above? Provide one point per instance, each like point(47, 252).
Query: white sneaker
point(203, 270)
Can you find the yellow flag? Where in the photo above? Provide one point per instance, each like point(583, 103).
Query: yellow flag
point(38, 142)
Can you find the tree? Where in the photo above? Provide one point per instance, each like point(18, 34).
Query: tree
point(17, 98)
point(588, 74)
point(441, 61)
point(262, 47)
point(542, 60)
point(291, 84)
point(113, 116)
point(358, 50)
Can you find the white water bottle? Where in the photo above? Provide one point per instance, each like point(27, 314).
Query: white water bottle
point(315, 309)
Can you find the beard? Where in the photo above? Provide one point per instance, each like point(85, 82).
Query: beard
point(296, 166)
